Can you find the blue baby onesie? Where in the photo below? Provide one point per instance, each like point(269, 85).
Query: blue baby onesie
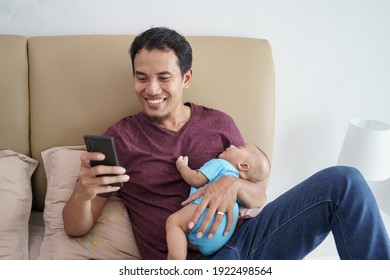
point(213, 169)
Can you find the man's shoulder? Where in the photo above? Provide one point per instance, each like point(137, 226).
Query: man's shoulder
point(201, 109)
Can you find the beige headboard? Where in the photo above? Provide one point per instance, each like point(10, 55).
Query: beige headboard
point(14, 99)
point(82, 84)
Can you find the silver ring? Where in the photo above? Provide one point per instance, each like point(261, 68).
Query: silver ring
point(220, 213)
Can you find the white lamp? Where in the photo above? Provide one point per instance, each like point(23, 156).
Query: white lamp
point(367, 147)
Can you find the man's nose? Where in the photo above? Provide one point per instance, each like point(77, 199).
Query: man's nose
point(153, 88)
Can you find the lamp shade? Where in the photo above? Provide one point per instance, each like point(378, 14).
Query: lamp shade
point(367, 147)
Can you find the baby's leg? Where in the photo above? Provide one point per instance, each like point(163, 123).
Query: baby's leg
point(176, 228)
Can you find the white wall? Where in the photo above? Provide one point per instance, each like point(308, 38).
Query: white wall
point(331, 59)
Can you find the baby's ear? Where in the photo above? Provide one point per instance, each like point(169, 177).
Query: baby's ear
point(243, 166)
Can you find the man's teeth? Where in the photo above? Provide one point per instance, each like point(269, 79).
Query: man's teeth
point(155, 101)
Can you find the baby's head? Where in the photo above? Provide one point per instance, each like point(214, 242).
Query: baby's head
point(251, 162)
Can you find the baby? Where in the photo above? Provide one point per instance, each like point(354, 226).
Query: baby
point(247, 162)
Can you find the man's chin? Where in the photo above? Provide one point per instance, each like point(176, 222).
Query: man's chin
point(157, 119)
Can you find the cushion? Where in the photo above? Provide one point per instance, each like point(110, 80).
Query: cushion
point(110, 238)
point(15, 203)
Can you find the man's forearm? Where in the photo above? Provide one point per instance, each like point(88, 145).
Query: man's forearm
point(78, 217)
point(251, 195)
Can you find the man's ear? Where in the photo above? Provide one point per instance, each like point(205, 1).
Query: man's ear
point(187, 78)
point(243, 166)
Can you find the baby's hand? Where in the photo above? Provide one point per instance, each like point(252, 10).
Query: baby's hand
point(181, 161)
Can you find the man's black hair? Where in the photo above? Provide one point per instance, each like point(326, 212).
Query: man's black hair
point(164, 39)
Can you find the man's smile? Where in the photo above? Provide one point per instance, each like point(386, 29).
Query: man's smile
point(155, 101)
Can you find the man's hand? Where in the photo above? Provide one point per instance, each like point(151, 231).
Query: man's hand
point(219, 197)
point(83, 207)
point(89, 183)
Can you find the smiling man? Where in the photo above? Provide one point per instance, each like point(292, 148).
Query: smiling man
point(148, 143)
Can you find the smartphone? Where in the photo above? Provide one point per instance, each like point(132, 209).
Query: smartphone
point(106, 146)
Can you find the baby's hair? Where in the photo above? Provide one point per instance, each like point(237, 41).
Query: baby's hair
point(258, 173)
point(269, 162)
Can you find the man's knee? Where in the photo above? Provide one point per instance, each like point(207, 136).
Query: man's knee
point(344, 173)
point(350, 179)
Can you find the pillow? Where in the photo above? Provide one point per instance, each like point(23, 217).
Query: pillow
point(15, 203)
point(111, 237)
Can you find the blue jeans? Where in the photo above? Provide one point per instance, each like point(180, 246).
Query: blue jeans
point(336, 199)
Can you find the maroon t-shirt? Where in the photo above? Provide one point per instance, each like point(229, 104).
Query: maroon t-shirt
point(149, 153)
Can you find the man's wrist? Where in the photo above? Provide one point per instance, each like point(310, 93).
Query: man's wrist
point(233, 183)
